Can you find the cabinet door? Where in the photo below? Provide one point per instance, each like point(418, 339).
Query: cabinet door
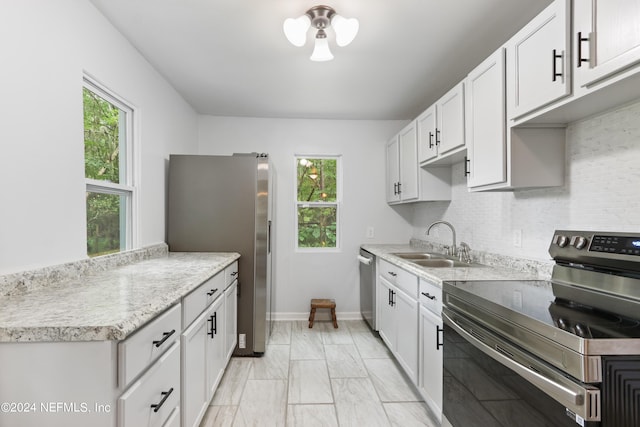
point(231, 319)
point(426, 126)
point(610, 33)
point(193, 382)
point(485, 122)
point(215, 349)
point(538, 61)
point(430, 382)
point(408, 141)
point(450, 112)
point(393, 170)
point(406, 312)
point(387, 322)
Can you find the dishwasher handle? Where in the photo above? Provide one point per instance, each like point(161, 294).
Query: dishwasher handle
point(364, 260)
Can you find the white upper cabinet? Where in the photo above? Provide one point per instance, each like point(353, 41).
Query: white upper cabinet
point(441, 129)
point(393, 170)
point(450, 130)
point(538, 61)
point(408, 142)
point(406, 181)
point(485, 122)
point(606, 38)
point(426, 125)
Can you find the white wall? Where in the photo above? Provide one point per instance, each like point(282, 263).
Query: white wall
point(44, 48)
point(302, 276)
point(601, 193)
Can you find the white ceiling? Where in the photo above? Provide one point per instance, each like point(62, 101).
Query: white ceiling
point(231, 58)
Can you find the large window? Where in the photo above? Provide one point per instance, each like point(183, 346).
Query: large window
point(108, 154)
point(317, 202)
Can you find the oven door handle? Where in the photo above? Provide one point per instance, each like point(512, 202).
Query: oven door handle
point(563, 390)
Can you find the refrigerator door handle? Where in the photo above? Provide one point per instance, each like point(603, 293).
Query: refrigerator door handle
point(269, 237)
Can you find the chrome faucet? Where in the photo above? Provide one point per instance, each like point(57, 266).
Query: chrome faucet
point(452, 249)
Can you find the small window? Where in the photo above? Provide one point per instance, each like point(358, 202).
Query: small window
point(108, 151)
point(317, 202)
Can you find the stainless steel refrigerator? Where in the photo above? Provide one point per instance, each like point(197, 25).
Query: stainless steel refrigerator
point(224, 204)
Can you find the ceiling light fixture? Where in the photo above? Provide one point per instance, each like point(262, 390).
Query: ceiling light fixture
point(321, 18)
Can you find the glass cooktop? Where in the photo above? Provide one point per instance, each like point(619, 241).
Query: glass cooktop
point(535, 300)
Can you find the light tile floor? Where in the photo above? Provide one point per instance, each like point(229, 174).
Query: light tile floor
point(318, 377)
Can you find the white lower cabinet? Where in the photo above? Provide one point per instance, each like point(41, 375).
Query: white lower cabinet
point(150, 400)
point(231, 315)
point(398, 315)
point(430, 342)
point(194, 382)
point(215, 351)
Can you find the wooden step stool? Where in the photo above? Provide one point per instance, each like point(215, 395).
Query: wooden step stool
point(323, 303)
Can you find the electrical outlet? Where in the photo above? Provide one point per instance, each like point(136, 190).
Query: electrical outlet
point(517, 238)
point(370, 232)
point(242, 341)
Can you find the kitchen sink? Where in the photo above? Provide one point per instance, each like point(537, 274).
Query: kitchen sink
point(412, 256)
point(440, 263)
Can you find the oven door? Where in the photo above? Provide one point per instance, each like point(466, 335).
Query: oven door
point(489, 382)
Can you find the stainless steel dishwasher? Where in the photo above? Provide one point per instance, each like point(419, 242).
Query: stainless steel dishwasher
point(368, 287)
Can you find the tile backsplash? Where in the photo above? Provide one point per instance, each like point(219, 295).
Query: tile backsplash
point(601, 192)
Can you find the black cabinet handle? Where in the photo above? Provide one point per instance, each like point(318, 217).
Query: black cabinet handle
point(437, 136)
point(399, 188)
point(391, 273)
point(580, 40)
point(393, 300)
point(165, 336)
point(165, 395)
point(214, 325)
point(438, 343)
point(213, 291)
point(389, 300)
point(395, 188)
point(431, 297)
point(234, 274)
point(554, 68)
point(467, 166)
point(430, 139)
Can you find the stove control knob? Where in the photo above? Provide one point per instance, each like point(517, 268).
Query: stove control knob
point(579, 242)
point(562, 241)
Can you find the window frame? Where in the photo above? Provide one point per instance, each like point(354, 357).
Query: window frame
point(337, 203)
point(129, 189)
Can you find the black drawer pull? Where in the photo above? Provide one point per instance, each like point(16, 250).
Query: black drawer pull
point(234, 274)
point(165, 395)
point(580, 40)
point(165, 337)
point(554, 65)
point(438, 343)
point(391, 273)
point(213, 291)
point(214, 325)
point(426, 294)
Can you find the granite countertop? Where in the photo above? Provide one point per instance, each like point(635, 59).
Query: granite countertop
point(106, 305)
point(439, 275)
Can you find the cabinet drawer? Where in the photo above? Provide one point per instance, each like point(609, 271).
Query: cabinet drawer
point(147, 344)
point(201, 297)
point(231, 273)
point(152, 399)
point(402, 279)
point(431, 296)
point(388, 271)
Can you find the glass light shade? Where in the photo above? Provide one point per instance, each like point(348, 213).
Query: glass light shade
point(321, 50)
point(296, 29)
point(345, 29)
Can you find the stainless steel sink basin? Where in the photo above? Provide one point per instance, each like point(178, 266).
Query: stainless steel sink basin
point(411, 256)
point(440, 263)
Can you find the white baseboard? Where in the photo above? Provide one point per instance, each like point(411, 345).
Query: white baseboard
point(321, 315)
